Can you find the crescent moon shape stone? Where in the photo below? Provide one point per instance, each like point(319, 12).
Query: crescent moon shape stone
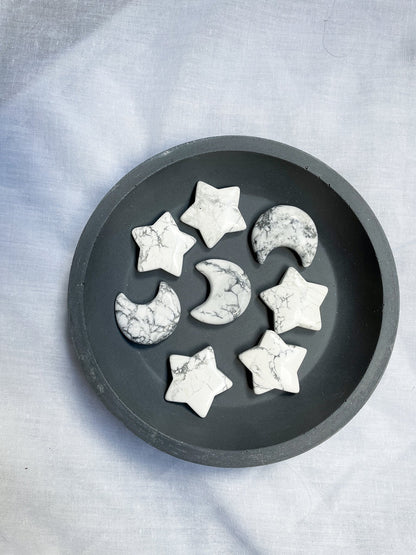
point(285, 226)
point(151, 323)
point(230, 292)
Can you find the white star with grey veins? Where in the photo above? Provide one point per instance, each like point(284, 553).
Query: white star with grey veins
point(295, 302)
point(196, 380)
point(274, 364)
point(215, 212)
point(162, 245)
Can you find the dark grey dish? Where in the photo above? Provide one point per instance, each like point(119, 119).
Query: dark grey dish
point(345, 360)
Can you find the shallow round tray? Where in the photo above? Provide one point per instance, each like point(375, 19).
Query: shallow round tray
point(345, 360)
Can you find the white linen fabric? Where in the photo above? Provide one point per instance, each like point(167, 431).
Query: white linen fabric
point(90, 89)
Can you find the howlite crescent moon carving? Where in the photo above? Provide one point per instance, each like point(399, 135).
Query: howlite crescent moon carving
point(147, 324)
point(285, 226)
point(229, 295)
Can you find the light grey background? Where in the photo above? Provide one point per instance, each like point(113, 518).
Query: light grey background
point(90, 89)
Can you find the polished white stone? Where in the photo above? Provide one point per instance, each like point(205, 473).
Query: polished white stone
point(230, 292)
point(215, 212)
point(196, 380)
point(149, 323)
point(274, 364)
point(285, 226)
point(162, 245)
point(295, 302)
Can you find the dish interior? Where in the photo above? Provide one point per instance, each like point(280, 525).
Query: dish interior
point(337, 356)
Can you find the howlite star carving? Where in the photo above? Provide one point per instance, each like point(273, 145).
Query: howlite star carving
point(274, 364)
point(215, 212)
point(295, 302)
point(196, 380)
point(162, 245)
